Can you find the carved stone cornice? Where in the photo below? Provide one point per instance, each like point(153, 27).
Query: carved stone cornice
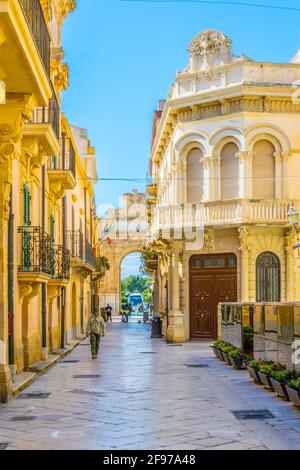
point(32, 155)
point(12, 118)
point(245, 240)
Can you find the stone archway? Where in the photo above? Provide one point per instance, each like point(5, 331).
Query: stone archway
point(110, 285)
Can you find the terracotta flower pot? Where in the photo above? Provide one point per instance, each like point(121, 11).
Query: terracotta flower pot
point(294, 395)
point(280, 388)
point(254, 375)
point(237, 363)
point(265, 379)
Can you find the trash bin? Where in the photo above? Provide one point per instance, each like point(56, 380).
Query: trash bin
point(156, 326)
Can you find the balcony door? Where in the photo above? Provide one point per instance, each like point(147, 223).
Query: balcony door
point(213, 279)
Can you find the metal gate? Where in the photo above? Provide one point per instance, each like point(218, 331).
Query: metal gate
point(267, 278)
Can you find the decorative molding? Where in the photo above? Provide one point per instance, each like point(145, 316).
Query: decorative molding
point(245, 240)
point(209, 240)
point(32, 155)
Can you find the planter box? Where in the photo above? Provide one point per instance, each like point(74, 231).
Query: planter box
point(215, 352)
point(226, 358)
point(220, 355)
point(294, 395)
point(254, 375)
point(236, 363)
point(265, 380)
point(280, 388)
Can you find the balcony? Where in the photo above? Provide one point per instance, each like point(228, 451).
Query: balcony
point(75, 240)
point(45, 126)
point(62, 169)
point(25, 53)
point(221, 213)
point(33, 254)
point(60, 260)
point(89, 256)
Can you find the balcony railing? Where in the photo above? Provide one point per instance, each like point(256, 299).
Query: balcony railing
point(60, 262)
point(89, 257)
point(75, 239)
point(48, 115)
point(33, 250)
point(221, 213)
point(34, 15)
point(66, 159)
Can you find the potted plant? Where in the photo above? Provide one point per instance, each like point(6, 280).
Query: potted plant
point(293, 391)
point(279, 380)
point(236, 358)
point(264, 372)
point(225, 352)
point(217, 348)
point(253, 367)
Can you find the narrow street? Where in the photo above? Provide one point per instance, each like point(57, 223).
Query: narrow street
point(142, 394)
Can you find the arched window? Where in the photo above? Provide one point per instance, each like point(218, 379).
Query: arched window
point(229, 172)
point(195, 182)
point(267, 278)
point(263, 170)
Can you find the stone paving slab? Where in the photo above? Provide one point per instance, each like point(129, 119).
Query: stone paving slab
point(146, 401)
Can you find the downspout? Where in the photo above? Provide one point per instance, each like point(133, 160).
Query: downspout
point(10, 271)
point(63, 289)
point(44, 286)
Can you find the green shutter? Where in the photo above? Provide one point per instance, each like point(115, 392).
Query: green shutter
point(52, 236)
point(26, 236)
point(27, 198)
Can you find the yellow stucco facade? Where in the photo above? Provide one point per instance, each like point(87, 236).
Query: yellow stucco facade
point(48, 226)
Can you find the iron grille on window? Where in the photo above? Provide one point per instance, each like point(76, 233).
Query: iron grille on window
point(34, 15)
point(66, 159)
point(60, 262)
point(75, 238)
point(34, 250)
point(268, 278)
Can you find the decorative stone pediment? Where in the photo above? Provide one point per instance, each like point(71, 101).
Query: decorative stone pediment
point(209, 42)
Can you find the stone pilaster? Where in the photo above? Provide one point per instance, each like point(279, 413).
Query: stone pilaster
point(176, 329)
point(289, 240)
point(245, 247)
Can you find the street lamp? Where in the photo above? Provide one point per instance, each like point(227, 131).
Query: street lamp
point(293, 218)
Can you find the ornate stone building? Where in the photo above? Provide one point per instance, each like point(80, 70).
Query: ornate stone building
point(47, 172)
point(225, 162)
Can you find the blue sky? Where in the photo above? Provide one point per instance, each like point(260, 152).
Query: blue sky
point(123, 57)
point(130, 265)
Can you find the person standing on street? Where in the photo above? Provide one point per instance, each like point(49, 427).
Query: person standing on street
point(95, 329)
point(108, 313)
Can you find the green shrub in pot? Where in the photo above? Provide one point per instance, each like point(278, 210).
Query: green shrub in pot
point(281, 375)
point(295, 384)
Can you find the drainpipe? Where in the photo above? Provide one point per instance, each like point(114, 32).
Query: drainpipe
point(63, 289)
point(10, 270)
point(44, 286)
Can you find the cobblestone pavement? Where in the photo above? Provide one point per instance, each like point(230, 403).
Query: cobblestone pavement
point(142, 395)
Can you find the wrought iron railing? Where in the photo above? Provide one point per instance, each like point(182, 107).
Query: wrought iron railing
point(34, 250)
point(89, 256)
point(75, 240)
point(48, 115)
point(66, 159)
point(34, 15)
point(60, 262)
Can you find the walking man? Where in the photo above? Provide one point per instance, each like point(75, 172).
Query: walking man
point(95, 329)
point(108, 313)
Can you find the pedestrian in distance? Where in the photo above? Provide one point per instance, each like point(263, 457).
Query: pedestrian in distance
point(95, 330)
point(108, 311)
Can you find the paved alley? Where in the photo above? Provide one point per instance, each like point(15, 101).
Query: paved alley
point(143, 394)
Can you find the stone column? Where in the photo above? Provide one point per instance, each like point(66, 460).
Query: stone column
point(244, 272)
point(179, 174)
point(216, 178)
point(176, 330)
point(245, 175)
point(208, 175)
point(289, 241)
point(278, 175)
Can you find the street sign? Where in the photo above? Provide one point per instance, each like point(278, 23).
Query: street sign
point(2, 92)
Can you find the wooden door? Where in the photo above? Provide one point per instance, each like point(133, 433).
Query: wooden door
point(208, 287)
point(202, 305)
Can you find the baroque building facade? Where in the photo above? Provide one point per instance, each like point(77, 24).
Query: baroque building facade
point(225, 163)
point(47, 175)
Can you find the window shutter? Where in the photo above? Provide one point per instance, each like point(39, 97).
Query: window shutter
point(27, 198)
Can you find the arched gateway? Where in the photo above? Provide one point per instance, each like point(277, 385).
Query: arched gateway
point(129, 235)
